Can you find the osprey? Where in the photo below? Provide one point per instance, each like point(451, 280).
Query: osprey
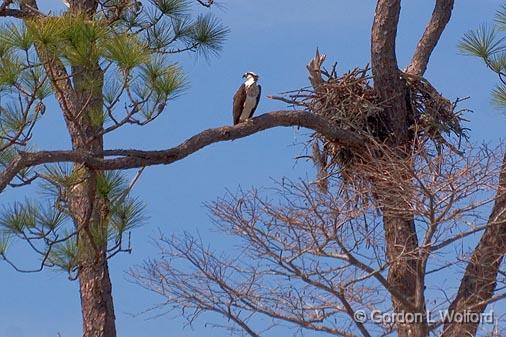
point(246, 98)
point(66, 3)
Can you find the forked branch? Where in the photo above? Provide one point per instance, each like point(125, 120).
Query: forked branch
point(440, 18)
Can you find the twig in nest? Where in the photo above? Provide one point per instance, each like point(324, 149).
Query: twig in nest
point(350, 101)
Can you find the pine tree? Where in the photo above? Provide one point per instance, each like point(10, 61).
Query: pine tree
point(108, 64)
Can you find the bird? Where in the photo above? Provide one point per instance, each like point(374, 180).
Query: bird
point(66, 3)
point(246, 98)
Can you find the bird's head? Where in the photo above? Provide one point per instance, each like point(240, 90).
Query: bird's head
point(251, 75)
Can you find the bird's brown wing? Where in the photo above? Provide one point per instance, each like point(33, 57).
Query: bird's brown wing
point(258, 100)
point(239, 99)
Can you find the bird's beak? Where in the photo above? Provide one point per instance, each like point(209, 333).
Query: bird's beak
point(244, 76)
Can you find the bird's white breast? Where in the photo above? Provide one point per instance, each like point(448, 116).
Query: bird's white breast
point(251, 100)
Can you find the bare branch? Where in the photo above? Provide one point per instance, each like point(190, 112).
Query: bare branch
point(23, 13)
point(440, 18)
point(206, 3)
point(15, 13)
point(310, 259)
point(137, 158)
point(480, 278)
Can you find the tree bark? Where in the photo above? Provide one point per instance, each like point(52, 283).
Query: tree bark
point(94, 281)
point(400, 234)
point(80, 100)
point(90, 210)
point(132, 158)
point(96, 300)
point(439, 19)
point(477, 286)
point(387, 81)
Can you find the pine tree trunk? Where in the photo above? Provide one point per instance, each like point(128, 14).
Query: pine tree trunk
point(90, 211)
point(94, 280)
point(96, 300)
point(87, 209)
point(478, 284)
point(404, 274)
point(93, 271)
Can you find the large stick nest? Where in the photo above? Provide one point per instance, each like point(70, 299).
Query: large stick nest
point(350, 101)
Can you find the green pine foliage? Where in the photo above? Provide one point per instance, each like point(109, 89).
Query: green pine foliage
point(125, 216)
point(15, 37)
point(12, 118)
point(19, 217)
point(172, 8)
point(4, 242)
point(8, 153)
point(134, 46)
point(126, 51)
point(10, 69)
point(64, 255)
point(208, 34)
point(483, 42)
point(489, 44)
point(46, 225)
point(141, 39)
point(156, 83)
point(34, 81)
point(500, 17)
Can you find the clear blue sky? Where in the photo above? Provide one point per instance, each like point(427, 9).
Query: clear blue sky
point(274, 39)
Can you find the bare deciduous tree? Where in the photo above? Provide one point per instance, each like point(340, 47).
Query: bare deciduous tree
point(314, 260)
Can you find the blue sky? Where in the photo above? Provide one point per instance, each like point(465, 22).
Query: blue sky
point(274, 39)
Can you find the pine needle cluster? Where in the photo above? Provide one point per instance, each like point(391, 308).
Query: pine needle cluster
point(132, 43)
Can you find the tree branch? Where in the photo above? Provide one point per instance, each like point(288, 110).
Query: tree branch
point(440, 18)
point(384, 32)
point(480, 278)
point(138, 158)
point(404, 273)
point(386, 74)
point(27, 10)
point(206, 3)
point(15, 13)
